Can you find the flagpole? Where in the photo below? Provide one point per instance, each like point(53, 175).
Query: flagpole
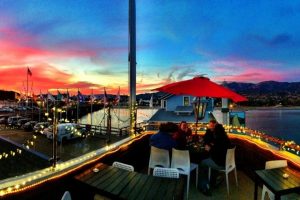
point(32, 94)
point(104, 102)
point(47, 102)
point(92, 100)
point(119, 108)
point(26, 92)
point(67, 105)
point(40, 106)
point(77, 106)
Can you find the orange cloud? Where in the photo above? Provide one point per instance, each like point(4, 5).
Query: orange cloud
point(44, 77)
point(252, 75)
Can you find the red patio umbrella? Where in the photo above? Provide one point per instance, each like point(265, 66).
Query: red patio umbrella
point(200, 87)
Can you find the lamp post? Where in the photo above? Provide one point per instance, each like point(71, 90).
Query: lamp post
point(54, 150)
point(39, 104)
point(199, 110)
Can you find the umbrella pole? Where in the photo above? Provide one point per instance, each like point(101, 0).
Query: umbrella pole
point(197, 114)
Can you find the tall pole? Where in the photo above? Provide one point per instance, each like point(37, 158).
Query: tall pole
point(55, 122)
point(32, 97)
point(67, 105)
point(77, 106)
point(47, 102)
point(108, 128)
point(132, 65)
point(92, 100)
point(26, 92)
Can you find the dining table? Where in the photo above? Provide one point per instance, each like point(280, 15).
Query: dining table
point(116, 183)
point(197, 151)
point(280, 181)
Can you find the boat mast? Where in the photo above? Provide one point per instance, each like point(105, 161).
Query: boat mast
point(132, 65)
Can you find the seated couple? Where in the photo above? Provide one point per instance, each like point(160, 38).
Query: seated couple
point(171, 136)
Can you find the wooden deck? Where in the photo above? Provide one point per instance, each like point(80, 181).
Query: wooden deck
point(244, 191)
point(249, 158)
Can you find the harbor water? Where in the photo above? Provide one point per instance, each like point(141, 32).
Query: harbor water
point(280, 123)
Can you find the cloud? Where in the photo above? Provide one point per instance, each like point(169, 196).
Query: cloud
point(280, 39)
point(252, 75)
point(247, 71)
point(188, 72)
point(44, 77)
point(83, 84)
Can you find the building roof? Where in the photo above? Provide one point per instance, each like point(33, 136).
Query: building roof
point(184, 110)
point(170, 116)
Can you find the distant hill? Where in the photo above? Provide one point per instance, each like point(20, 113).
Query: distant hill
point(7, 95)
point(268, 93)
point(265, 88)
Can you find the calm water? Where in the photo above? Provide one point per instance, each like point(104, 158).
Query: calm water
point(283, 124)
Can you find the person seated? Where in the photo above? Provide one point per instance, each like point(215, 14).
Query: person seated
point(163, 138)
point(182, 134)
point(208, 138)
point(217, 148)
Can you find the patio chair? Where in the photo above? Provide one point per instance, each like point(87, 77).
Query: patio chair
point(123, 166)
point(166, 172)
point(66, 196)
point(181, 161)
point(229, 166)
point(158, 158)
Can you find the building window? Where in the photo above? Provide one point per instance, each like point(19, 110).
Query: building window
point(186, 101)
point(163, 103)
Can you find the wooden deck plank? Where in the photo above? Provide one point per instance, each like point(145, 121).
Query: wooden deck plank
point(129, 187)
point(146, 189)
point(119, 179)
point(117, 183)
point(89, 173)
point(139, 187)
point(101, 177)
point(166, 190)
point(107, 178)
point(117, 190)
point(154, 189)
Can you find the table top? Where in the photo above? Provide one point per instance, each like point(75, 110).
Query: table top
point(275, 181)
point(121, 184)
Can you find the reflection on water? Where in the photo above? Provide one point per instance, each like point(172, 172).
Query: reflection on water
point(119, 117)
point(283, 124)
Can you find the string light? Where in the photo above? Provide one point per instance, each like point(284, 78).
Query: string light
point(75, 164)
point(42, 176)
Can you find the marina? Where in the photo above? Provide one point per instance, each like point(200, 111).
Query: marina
point(178, 126)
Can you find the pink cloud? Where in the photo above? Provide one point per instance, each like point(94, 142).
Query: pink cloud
point(247, 71)
point(21, 47)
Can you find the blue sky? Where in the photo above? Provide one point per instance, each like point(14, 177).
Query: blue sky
point(84, 43)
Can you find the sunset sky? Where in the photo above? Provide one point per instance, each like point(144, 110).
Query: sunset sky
point(84, 43)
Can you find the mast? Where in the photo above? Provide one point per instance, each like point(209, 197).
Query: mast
point(132, 65)
point(92, 101)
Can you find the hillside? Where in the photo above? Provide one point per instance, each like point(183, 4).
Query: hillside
point(268, 93)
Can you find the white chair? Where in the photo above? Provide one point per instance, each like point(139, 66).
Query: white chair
point(166, 172)
point(271, 165)
point(181, 161)
point(229, 166)
point(123, 166)
point(158, 158)
point(66, 196)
